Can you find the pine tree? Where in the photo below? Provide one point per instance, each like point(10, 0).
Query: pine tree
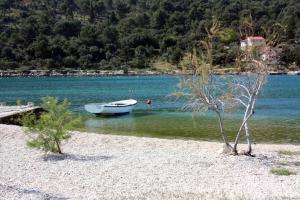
point(52, 127)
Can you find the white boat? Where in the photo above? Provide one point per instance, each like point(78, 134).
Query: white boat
point(112, 108)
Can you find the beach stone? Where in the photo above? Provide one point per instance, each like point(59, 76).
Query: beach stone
point(96, 166)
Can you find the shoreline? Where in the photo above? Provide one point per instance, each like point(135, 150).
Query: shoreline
point(97, 166)
point(74, 73)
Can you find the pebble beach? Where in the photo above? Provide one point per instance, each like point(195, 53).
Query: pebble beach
point(96, 166)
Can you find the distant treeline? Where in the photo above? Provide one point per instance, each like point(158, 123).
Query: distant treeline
point(123, 34)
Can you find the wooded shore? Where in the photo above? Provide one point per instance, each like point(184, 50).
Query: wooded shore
point(45, 73)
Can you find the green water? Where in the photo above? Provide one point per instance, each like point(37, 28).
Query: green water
point(277, 117)
point(194, 126)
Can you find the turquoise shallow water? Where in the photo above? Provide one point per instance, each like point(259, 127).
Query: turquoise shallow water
point(277, 117)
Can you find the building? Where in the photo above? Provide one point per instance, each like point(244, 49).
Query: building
point(270, 55)
point(253, 41)
point(266, 53)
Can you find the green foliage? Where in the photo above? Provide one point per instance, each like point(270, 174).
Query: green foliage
point(67, 28)
point(71, 62)
point(53, 34)
point(282, 172)
point(4, 64)
point(175, 55)
point(291, 54)
point(289, 153)
point(52, 127)
point(6, 4)
point(289, 163)
point(19, 102)
point(228, 36)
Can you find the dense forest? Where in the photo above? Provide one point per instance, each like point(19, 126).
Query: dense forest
point(123, 34)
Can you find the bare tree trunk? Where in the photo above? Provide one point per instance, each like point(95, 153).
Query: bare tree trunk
point(247, 116)
point(240, 131)
point(58, 147)
point(248, 139)
point(224, 135)
point(247, 130)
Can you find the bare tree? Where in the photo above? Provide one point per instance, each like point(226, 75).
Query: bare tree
point(246, 88)
point(203, 90)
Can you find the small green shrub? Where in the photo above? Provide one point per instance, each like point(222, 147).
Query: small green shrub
point(282, 172)
point(52, 127)
point(289, 163)
point(19, 102)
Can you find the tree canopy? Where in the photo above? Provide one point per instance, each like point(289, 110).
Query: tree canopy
point(113, 34)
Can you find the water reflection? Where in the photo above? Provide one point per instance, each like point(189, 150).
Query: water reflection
point(106, 123)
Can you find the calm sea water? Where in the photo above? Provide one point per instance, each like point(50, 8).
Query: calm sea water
point(277, 118)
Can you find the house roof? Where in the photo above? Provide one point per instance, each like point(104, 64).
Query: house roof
point(255, 38)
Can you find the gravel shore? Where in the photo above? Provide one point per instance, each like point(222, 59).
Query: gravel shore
point(98, 166)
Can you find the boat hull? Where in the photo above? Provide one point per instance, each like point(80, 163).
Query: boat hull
point(113, 108)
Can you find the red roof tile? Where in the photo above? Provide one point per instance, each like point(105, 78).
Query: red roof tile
point(255, 38)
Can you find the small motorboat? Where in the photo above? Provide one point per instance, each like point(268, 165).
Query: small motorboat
point(112, 108)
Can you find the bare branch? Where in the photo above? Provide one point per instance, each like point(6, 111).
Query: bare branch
point(245, 88)
point(239, 100)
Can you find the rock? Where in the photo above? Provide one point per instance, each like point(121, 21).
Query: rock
point(225, 150)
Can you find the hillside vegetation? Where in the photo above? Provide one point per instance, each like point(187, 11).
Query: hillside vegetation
point(123, 34)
